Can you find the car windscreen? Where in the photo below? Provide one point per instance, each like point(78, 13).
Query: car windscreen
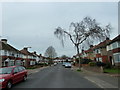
point(68, 63)
point(5, 70)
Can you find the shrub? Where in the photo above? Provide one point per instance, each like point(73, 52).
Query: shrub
point(92, 63)
point(32, 67)
point(45, 64)
point(108, 65)
point(100, 64)
point(77, 60)
point(85, 61)
point(78, 70)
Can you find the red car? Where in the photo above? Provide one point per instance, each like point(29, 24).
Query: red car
point(11, 75)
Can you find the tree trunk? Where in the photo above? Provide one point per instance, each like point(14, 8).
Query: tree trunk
point(77, 46)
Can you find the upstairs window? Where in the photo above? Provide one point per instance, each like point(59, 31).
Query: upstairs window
point(114, 45)
point(117, 57)
point(119, 44)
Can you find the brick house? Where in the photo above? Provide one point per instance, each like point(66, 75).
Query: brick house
point(9, 55)
point(113, 49)
point(37, 57)
point(29, 58)
point(100, 51)
point(88, 54)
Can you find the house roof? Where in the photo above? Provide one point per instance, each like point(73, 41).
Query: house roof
point(35, 54)
point(89, 50)
point(115, 39)
point(25, 52)
point(8, 47)
point(102, 44)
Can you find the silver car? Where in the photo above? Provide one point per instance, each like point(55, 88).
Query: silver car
point(68, 65)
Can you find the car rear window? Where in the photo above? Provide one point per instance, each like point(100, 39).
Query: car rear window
point(21, 68)
point(6, 70)
point(16, 70)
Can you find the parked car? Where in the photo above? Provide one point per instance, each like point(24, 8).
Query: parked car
point(64, 63)
point(11, 75)
point(68, 65)
point(55, 64)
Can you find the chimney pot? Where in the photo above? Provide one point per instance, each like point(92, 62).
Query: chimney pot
point(107, 38)
point(91, 46)
point(34, 52)
point(4, 41)
point(26, 49)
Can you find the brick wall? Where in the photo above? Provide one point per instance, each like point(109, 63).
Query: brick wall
point(93, 69)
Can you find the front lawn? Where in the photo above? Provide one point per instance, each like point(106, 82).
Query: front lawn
point(114, 71)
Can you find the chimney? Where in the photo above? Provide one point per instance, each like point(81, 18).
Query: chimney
point(4, 41)
point(34, 52)
point(107, 38)
point(26, 49)
point(82, 50)
point(91, 46)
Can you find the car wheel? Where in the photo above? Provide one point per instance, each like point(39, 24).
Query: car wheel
point(9, 85)
point(24, 78)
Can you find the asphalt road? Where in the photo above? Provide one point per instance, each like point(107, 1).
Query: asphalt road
point(56, 77)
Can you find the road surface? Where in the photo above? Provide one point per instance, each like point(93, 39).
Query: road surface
point(56, 77)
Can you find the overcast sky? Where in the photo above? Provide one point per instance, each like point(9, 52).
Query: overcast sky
point(33, 23)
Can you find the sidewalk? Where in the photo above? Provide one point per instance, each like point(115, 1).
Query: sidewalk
point(103, 80)
point(31, 71)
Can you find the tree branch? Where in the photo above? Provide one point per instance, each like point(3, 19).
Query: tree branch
point(70, 36)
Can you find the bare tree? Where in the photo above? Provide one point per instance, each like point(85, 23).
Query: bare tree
point(87, 31)
point(51, 53)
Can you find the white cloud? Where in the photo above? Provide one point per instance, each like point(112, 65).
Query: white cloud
point(33, 24)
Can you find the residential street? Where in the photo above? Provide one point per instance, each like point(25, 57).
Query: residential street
point(56, 77)
point(59, 45)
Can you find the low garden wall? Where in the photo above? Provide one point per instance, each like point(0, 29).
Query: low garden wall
point(91, 68)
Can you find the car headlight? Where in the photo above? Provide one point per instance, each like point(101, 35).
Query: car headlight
point(2, 80)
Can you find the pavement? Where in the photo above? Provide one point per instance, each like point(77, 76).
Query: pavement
point(31, 71)
point(103, 80)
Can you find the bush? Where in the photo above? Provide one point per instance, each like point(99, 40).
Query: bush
point(85, 61)
point(108, 65)
point(78, 70)
point(32, 67)
point(77, 60)
point(43, 64)
point(100, 64)
point(92, 63)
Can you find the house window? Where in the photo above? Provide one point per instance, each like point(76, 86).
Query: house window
point(100, 59)
point(32, 62)
point(97, 59)
point(11, 63)
point(114, 45)
point(109, 47)
point(0, 52)
point(116, 57)
point(119, 44)
point(5, 53)
point(18, 62)
point(97, 51)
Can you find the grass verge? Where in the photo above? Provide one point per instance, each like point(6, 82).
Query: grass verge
point(79, 70)
point(114, 71)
